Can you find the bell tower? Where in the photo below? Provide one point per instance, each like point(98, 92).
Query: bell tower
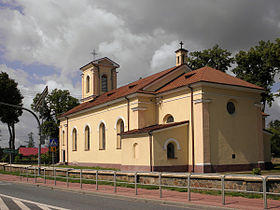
point(181, 55)
point(98, 77)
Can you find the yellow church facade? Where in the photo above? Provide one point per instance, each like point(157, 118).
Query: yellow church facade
point(179, 119)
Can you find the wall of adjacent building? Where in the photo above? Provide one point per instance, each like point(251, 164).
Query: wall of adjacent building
point(109, 115)
point(136, 152)
point(267, 146)
point(239, 133)
point(179, 137)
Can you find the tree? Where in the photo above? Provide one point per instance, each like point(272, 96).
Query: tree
point(9, 115)
point(56, 103)
point(259, 66)
point(30, 140)
point(215, 57)
point(274, 127)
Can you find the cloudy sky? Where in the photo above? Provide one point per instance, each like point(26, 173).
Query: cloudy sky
point(45, 42)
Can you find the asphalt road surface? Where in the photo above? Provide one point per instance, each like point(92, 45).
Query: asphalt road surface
point(23, 196)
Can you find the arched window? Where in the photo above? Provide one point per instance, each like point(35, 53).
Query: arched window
point(170, 151)
point(63, 138)
point(74, 139)
point(120, 129)
point(168, 118)
point(102, 136)
point(87, 138)
point(135, 151)
point(104, 83)
point(87, 84)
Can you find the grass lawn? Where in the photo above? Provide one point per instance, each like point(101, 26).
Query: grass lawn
point(274, 171)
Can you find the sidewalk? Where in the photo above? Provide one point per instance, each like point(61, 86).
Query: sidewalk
point(167, 195)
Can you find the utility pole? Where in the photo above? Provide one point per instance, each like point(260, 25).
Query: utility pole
point(39, 103)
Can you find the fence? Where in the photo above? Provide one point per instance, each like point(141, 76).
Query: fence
point(82, 176)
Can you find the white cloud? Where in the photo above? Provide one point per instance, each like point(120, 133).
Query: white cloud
point(28, 89)
point(164, 55)
point(63, 33)
point(273, 111)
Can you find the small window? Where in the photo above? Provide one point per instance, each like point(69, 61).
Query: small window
point(170, 119)
point(102, 137)
point(87, 84)
point(233, 156)
point(135, 151)
point(170, 151)
point(74, 140)
point(87, 138)
point(230, 107)
point(104, 83)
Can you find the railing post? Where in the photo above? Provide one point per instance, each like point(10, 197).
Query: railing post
point(96, 179)
point(44, 175)
point(264, 193)
point(81, 180)
point(189, 187)
point(135, 183)
point(159, 180)
point(115, 180)
point(223, 189)
point(67, 177)
point(27, 173)
point(35, 177)
point(20, 174)
point(55, 176)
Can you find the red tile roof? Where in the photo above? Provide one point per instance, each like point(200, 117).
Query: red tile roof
point(205, 74)
point(153, 128)
point(27, 151)
point(120, 92)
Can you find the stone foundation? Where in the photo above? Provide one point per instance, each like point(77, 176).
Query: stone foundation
point(180, 168)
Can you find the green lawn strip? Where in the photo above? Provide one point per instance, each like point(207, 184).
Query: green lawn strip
point(76, 179)
point(16, 173)
point(274, 171)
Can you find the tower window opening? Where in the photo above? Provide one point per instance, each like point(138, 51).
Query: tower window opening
point(87, 84)
point(104, 83)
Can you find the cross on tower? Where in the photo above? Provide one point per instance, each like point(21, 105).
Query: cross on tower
point(181, 43)
point(94, 54)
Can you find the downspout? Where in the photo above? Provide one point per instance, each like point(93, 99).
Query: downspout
point(192, 124)
point(151, 150)
point(67, 139)
point(127, 112)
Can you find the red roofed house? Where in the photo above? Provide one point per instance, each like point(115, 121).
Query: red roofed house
point(27, 151)
point(178, 119)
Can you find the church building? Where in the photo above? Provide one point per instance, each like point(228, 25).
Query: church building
point(179, 119)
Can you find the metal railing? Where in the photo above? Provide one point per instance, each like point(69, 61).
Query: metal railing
point(78, 178)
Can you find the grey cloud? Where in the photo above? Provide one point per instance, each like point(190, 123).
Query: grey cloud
point(235, 24)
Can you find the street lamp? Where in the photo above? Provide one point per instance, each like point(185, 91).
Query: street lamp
point(39, 127)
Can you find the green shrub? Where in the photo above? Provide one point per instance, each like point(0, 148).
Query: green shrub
point(256, 171)
point(17, 159)
point(46, 158)
point(5, 158)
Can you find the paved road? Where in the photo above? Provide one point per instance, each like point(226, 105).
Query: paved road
point(22, 196)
